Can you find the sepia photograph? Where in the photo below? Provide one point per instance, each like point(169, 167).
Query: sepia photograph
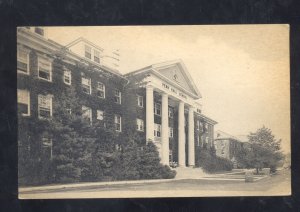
point(153, 111)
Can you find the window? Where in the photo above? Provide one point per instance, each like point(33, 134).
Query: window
point(198, 110)
point(44, 106)
point(47, 146)
point(171, 132)
point(68, 108)
point(44, 69)
point(198, 140)
point(201, 126)
point(117, 96)
point(118, 123)
point(96, 56)
point(67, 77)
point(39, 30)
point(24, 102)
point(140, 101)
point(170, 112)
point(23, 61)
point(198, 125)
point(100, 90)
point(157, 110)
point(100, 115)
point(87, 113)
point(157, 130)
point(140, 124)
point(86, 85)
point(88, 52)
point(206, 140)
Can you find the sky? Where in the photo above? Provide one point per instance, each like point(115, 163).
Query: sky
point(241, 71)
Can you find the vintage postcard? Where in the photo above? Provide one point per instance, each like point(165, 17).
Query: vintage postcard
point(153, 111)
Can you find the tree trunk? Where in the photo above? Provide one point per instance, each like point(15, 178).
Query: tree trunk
point(256, 170)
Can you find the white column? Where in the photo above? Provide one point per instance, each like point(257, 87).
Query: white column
point(191, 144)
point(181, 135)
point(165, 129)
point(149, 113)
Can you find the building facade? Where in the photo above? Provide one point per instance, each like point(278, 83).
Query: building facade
point(227, 146)
point(162, 98)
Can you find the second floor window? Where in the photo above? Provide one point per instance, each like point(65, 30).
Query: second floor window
point(157, 130)
point(24, 102)
point(67, 77)
point(23, 61)
point(100, 90)
point(86, 85)
point(118, 96)
point(140, 101)
point(96, 56)
point(140, 124)
point(118, 123)
point(157, 109)
point(44, 69)
point(88, 52)
point(44, 106)
point(87, 113)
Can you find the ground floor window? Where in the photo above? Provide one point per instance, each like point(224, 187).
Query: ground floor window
point(87, 113)
point(157, 130)
point(118, 123)
point(140, 124)
point(47, 148)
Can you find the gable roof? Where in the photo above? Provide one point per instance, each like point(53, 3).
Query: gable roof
point(82, 39)
point(163, 70)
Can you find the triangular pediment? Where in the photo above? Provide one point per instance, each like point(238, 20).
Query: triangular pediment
point(178, 74)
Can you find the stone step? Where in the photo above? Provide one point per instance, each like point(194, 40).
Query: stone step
point(189, 173)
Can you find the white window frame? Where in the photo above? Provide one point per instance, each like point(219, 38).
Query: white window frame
point(19, 50)
point(95, 53)
point(49, 97)
point(171, 132)
point(67, 73)
point(198, 125)
point(157, 107)
point(100, 115)
point(89, 115)
point(101, 90)
point(50, 69)
point(118, 96)
point(117, 118)
point(170, 112)
point(87, 47)
point(157, 130)
point(89, 80)
point(140, 124)
point(19, 91)
point(140, 101)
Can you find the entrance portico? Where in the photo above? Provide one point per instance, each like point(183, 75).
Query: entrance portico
point(181, 91)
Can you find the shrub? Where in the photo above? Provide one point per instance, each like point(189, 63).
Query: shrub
point(212, 163)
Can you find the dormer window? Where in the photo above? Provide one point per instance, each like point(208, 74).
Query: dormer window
point(88, 51)
point(96, 56)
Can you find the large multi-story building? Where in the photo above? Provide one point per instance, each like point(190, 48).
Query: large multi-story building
point(166, 108)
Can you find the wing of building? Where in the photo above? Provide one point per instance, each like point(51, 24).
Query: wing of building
point(162, 98)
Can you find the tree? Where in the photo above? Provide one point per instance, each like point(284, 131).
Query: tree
point(264, 151)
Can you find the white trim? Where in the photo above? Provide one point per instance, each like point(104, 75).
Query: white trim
point(49, 97)
point(64, 76)
point(50, 70)
point(118, 96)
point(140, 123)
point(28, 102)
point(103, 90)
point(116, 118)
point(138, 100)
point(27, 62)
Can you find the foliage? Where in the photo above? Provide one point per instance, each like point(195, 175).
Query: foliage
point(263, 152)
point(211, 163)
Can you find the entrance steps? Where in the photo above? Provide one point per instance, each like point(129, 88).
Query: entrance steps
point(189, 173)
